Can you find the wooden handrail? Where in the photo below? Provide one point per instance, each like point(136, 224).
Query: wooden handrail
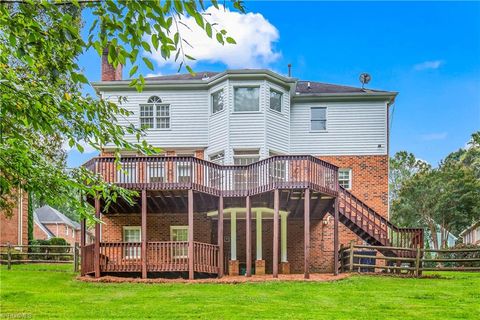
point(377, 226)
point(167, 172)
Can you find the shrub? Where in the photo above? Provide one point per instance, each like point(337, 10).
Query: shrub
point(14, 254)
point(36, 247)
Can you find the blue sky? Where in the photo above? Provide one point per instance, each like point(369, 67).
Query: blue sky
point(428, 52)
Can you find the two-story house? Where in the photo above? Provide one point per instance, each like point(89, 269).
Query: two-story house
point(256, 173)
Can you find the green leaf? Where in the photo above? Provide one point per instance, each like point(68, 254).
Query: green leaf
point(231, 40)
point(148, 63)
point(190, 70)
point(220, 38)
point(133, 70)
point(208, 29)
point(189, 57)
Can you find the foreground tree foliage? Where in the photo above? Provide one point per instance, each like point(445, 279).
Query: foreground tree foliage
point(443, 199)
point(41, 100)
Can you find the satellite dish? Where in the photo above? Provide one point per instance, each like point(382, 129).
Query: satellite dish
point(364, 79)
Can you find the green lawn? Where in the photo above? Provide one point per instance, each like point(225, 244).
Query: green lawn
point(56, 294)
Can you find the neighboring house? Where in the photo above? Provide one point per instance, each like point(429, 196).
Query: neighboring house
point(450, 241)
point(14, 224)
point(471, 235)
point(241, 146)
point(49, 223)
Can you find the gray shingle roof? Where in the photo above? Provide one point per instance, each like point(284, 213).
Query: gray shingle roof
point(199, 75)
point(47, 214)
point(302, 85)
point(42, 226)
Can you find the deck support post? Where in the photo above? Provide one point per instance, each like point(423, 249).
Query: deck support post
point(248, 242)
point(190, 235)
point(220, 237)
point(83, 241)
point(283, 237)
point(306, 221)
point(276, 208)
point(144, 234)
point(335, 239)
point(96, 259)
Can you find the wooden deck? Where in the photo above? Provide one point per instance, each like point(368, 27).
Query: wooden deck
point(162, 256)
point(184, 173)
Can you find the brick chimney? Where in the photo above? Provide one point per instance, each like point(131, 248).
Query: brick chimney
point(109, 73)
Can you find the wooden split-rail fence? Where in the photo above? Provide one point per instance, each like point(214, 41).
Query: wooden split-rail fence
point(52, 254)
point(400, 260)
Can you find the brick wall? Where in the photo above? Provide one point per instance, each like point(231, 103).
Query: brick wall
point(9, 222)
point(60, 231)
point(369, 178)
point(158, 226)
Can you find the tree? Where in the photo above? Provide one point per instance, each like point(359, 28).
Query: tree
point(444, 199)
point(403, 166)
point(41, 100)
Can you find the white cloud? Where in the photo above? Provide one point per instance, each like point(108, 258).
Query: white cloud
point(154, 74)
point(434, 136)
point(255, 37)
point(429, 65)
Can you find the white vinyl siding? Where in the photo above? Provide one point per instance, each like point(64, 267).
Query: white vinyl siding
point(188, 116)
point(354, 128)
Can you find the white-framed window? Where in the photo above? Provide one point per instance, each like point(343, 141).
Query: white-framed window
point(155, 114)
point(184, 168)
point(246, 99)
point(66, 230)
point(132, 234)
point(278, 169)
point(276, 98)
point(218, 157)
point(216, 176)
point(247, 156)
point(318, 118)
point(217, 101)
point(179, 234)
point(127, 173)
point(345, 178)
point(156, 172)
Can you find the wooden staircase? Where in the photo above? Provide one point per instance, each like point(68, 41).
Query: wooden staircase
point(373, 228)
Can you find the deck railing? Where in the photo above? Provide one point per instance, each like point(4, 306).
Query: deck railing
point(377, 226)
point(164, 173)
point(162, 256)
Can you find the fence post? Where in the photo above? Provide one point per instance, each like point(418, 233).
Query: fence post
point(9, 256)
point(75, 257)
point(340, 256)
point(417, 262)
point(350, 266)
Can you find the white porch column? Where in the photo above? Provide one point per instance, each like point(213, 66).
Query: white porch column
point(283, 239)
point(233, 235)
point(259, 235)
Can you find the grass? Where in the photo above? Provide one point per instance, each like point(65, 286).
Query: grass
point(40, 291)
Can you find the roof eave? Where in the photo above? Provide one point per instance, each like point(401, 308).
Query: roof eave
point(310, 97)
point(197, 84)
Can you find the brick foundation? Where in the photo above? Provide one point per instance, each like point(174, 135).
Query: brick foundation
point(233, 267)
point(259, 267)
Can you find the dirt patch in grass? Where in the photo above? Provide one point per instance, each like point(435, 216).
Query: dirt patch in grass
point(227, 279)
